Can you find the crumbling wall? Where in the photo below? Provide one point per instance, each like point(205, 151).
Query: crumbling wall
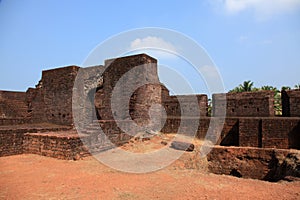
point(185, 105)
point(115, 135)
point(142, 100)
point(128, 72)
point(56, 89)
point(51, 100)
point(212, 127)
point(36, 105)
point(12, 105)
point(67, 147)
point(256, 163)
point(244, 104)
point(263, 132)
point(11, 143)
point(291, 103)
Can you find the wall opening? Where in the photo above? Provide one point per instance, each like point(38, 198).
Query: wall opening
point(294, 137)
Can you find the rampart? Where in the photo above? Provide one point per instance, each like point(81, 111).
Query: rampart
point(249, 119)
point(244, 104)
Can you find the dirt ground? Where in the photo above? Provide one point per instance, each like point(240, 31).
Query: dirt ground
point(37, 177)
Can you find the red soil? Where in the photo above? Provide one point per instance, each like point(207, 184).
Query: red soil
point(38, 177)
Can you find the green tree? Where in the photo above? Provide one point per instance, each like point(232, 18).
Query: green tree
point(269, 88)
point(247, 86)
point(236, 89)
point(286, 88)
point(297, 86)
point(209, 110)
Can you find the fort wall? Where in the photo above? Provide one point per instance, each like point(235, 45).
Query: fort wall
point(249, 119)
point(12, 105)
point(244, 104)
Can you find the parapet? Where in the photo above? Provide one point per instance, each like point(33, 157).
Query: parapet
point(244, 104)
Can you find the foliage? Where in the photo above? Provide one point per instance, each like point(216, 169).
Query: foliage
point(286, 88)
point(277, 98)
point(269, 88)
point(209, 111)
point(247, 86)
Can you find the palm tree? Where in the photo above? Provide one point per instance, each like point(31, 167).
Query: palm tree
point(236, 89)
point(247, 86)
point(269, 88)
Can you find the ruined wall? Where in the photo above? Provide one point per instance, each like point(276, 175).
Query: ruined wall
point(36, 105)
point(12, 105)
point(206, 126)
point(141, 102)
point(14, 121)
point(113, 132)
point(12, 137)
point(11, 143)
point(256, 163)
point(250, 132)
point(57, 86)
point(58, 146)
point(184, 105)
point(273, 132)
point(245, 104)
point(128, 72)
point(230, 132)
point(85, 100)
point(291, 103)
point(281, 133)
point(263, 132)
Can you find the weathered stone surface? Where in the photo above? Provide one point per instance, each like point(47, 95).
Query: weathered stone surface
point(281, 133)
point(66, 146)
point(12, 140)
point(205, 126)
point(124, 76)
point(12, 105)
point(250, 132)
point(256, 163)
point(185, 105)
point(244, 104)
point(11, 143)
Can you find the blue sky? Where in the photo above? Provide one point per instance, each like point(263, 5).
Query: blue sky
point(247, 40)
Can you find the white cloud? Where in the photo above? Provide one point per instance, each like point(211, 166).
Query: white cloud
point(151, 42)
point(263, 8)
